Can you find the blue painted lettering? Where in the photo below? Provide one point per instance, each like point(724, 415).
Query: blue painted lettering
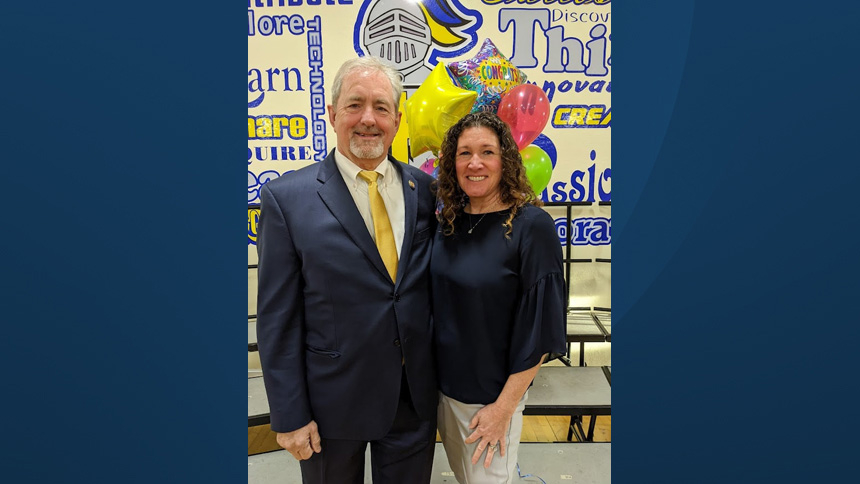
point(267, 25)
point(532, 2)
point(559, 47)
point(584, 231)
point(315, 62)
point(561, 15)
point(585, 186)
point(297, 3)
point(549, 87)
point(272, 81)
point(276, 153)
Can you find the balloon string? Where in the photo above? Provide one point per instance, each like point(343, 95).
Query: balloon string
point(528, 475)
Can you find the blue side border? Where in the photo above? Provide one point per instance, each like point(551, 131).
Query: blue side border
point(124, 293)
point(735, 252)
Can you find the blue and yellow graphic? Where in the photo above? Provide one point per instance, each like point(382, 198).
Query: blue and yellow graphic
point(411, 36)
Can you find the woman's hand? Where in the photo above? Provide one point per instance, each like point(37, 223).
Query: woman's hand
point(490, 426)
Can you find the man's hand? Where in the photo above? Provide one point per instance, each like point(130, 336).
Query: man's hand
point(303, 442)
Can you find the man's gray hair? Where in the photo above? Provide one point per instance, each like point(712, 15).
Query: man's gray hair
point(371, 64)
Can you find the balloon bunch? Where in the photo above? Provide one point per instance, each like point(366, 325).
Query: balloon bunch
point(490, 74)
point(436, 106)
point(525, 109)
point(486, 82)
point(430, 167)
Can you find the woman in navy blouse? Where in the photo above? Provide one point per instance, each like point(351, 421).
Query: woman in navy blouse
point(498, 297)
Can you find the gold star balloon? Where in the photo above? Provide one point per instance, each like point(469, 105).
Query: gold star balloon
point(437, 104)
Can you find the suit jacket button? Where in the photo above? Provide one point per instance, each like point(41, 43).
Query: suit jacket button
point(397, 342)
point(396, 297)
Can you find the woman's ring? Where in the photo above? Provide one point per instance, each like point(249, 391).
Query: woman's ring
point(493, 447)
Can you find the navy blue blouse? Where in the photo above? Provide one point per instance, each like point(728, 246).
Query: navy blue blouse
point(498, 303)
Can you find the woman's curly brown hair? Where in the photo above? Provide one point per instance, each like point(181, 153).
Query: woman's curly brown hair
point(514, 187)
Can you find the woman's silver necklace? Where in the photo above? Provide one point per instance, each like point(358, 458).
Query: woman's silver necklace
point(472, 227)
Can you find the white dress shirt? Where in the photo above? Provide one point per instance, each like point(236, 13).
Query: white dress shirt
point(390, 187)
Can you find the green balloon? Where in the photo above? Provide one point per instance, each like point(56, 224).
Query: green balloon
point(538, 167)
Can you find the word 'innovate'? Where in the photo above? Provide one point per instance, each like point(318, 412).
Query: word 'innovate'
point(549, 87)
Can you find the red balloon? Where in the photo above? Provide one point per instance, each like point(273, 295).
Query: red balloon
point(525, 109)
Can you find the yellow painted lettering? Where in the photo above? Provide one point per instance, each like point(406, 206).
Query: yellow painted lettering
point(277, 123)
point(253, 220)
point(559, 114)
point(298, 127)
point(594, 115)
point(606, 119)
point(400, 146)
point(577, 116)
point(264, 127)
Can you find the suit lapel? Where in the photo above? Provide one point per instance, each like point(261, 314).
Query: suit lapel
point(410, 203)
point(337, 198)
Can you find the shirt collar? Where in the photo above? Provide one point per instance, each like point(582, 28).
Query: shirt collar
point(350, 169)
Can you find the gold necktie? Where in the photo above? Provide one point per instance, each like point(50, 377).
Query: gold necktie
point(381, 224)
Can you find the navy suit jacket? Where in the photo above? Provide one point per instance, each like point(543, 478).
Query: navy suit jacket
point(332, 327)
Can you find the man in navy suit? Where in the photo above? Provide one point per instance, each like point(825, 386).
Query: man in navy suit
point(346, 348)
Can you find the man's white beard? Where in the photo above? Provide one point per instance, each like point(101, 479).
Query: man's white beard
point(364, 151)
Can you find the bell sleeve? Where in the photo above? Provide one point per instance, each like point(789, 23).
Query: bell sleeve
point(539, 324)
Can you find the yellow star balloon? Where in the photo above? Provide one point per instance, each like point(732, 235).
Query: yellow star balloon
point(437, 105)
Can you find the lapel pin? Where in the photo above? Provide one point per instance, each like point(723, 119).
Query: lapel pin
point(412, 184)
